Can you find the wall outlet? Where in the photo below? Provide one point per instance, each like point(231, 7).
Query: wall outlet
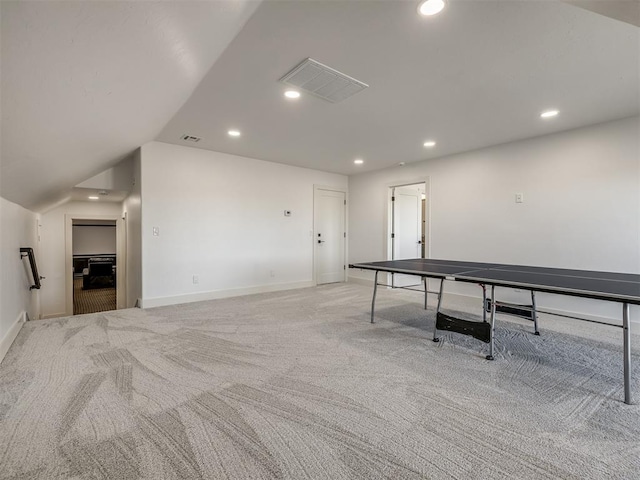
point(519, 197)
point(196, 280)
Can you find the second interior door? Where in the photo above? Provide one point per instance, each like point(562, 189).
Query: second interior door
point(329, 236)
point(407, 227)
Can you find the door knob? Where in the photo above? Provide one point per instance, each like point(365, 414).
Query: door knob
point(320, 241)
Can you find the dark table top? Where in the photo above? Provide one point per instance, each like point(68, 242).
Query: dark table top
point(611, 286)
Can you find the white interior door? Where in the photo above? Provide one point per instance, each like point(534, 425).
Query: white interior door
point(407, 218)
point(329, 236)
point(407, 228)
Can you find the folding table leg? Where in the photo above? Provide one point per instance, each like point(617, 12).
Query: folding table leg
point(424, 280)
point(375, 289)
point(484, 302)
point(493, 321)
point(435, 326)
point(627, 353)
point(534, 313)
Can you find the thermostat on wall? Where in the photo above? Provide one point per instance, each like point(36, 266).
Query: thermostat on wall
point(287, 213)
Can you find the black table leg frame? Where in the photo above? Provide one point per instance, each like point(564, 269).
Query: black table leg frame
point(616, 287)
point(373, 300)
point(627, 352)
point(435, 326)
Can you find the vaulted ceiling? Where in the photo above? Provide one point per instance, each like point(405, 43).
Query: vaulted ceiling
point(85, 83)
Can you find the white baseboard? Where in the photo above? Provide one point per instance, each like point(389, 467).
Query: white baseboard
point(473, 302)
point(55, 315)
point(361, 281)
point(11, 335)
point(470, 301)
point(216, 294)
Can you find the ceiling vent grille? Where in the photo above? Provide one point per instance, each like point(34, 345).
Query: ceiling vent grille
point(190, 138)
point(323, 81)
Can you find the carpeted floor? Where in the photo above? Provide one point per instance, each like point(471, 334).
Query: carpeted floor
point(92, 300)
point(299, 384)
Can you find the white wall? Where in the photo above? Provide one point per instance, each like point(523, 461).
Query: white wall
point(581, 206)
point(221, 217)
point(94, 239)
point(115, 178)
point(18, 228)
point(132, 209)
point(52, 247)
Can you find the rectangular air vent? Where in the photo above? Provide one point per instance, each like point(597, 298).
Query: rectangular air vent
point(323, 81)
point(190, 138)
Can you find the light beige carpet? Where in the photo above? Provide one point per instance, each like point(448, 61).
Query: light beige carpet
point(299, 385)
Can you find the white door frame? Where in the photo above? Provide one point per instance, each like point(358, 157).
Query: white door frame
point(121, 259)
point(387, 245)
point(396, 225)
point(316, 188)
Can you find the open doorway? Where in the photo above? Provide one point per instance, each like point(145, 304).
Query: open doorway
point(94, 265)
point(408, 226)
point(95, 254)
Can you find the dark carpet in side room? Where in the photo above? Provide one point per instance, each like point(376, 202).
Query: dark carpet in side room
point(93, 300)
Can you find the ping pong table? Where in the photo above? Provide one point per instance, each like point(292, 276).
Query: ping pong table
point(621, 288)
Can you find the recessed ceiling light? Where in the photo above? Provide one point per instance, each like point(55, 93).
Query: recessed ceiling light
point(549, 113)
point(430, 7)
point(93, 197)
point(429, 143)
point(234, 133)
point(292, 94)
point(358, 161)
